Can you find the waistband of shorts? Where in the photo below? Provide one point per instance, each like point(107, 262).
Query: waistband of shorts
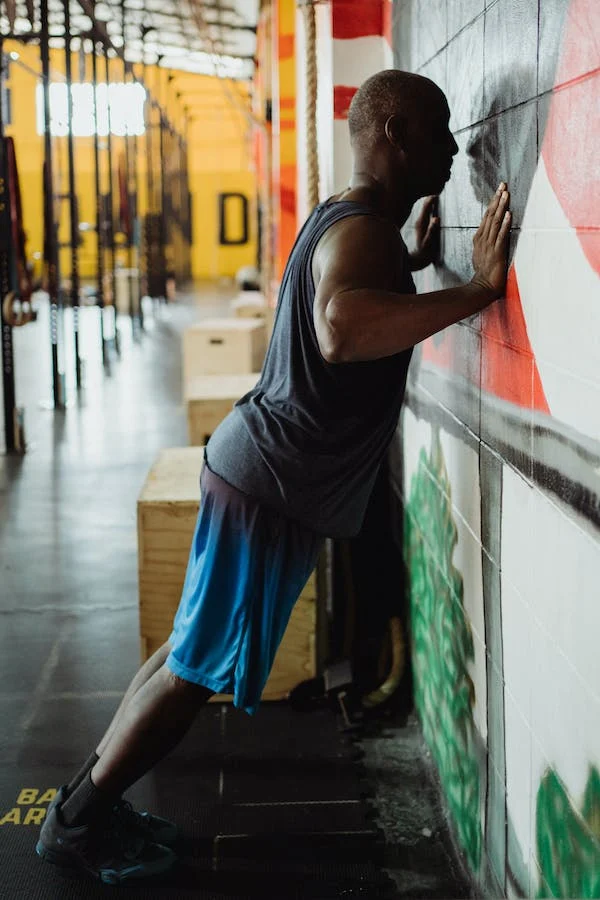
point(223, 488)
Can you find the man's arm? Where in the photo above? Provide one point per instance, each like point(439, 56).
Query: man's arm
point(357, 314)
point(427, 236)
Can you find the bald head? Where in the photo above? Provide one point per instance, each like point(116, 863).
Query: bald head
point(386, 94)
point(400, 135)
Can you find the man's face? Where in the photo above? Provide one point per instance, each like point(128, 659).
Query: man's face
point(429, 146)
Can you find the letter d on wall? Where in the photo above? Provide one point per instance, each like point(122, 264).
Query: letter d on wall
point(233, 219)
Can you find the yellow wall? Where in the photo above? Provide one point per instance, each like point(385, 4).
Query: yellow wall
point(219, 160)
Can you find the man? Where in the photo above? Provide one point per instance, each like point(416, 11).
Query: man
point(295, 460)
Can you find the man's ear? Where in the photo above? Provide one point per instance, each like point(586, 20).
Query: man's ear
point(396, 131)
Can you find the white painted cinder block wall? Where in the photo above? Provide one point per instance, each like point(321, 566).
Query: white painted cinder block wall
point(506, 410)
point(342, 63)
point(497, 456)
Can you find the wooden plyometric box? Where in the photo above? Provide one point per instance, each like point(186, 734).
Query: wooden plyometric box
point(249, 305)
point(224, 347)
point(210, 398)
point(166, 515)
point(167, 510)
point(127, 285)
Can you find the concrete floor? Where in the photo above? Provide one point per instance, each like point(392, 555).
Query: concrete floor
point(68, 584)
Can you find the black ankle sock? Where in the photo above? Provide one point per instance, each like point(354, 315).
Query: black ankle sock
point(86, 803)
point(86, 767)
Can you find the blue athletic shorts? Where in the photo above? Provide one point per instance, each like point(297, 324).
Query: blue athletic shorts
point(247, 567)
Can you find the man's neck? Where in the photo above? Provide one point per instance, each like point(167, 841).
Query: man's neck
point(376, 191)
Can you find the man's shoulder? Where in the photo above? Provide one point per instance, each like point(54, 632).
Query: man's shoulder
point(362, 227)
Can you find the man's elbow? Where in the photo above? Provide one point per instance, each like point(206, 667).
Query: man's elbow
point(332, 344)
point(336, 339)
point(331, 352)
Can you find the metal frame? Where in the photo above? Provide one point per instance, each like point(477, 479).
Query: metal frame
point(100, 242)
point(134, 302)
point(8, 361)
point(170, 22)
point(209, 35)
point(50, 237)
point(111, 208)
point(73, 208)
point(179, 25)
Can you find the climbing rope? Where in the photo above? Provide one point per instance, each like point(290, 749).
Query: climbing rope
point(312, 154)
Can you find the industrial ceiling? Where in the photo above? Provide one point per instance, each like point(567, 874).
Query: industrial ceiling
point(212, 37)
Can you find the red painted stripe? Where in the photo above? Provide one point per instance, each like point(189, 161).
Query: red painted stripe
point(287, 103)
point(579, 50)
point(357, 18)
point(387, 22)
point(287, 217)
point(572, 131)
point(342, 97)
point(362, 18)
point(286, 46)
point(508, 366)
point(287, 124)
point(288, 199)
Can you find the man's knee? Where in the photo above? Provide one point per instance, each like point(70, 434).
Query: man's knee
point(164, 651)
point(159, 656)
point(187, 690)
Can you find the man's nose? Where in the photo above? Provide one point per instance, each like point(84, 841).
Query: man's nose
point(454, 146)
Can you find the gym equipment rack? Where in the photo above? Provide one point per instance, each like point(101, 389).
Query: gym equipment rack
point(161, 244)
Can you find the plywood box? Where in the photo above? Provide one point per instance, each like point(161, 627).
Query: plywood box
point(210, 398)
point(224, 347)
point(167, 510)
point(249, 305)
point(126, 281)
point(166, 514)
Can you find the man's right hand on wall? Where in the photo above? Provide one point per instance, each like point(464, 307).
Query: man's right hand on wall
point(490, 244)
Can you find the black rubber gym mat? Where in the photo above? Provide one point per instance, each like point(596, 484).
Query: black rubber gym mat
point(268, 806)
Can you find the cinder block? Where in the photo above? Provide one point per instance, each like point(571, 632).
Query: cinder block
point(511, 57)
point(223, 346)
point(510, 153)
point(210, 398)
point(166, 511)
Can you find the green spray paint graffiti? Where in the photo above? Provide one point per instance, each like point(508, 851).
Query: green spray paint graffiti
point(568, 842)
point(442, 645)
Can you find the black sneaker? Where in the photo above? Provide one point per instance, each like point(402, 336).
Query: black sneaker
point(105, 850)
point(153, 828)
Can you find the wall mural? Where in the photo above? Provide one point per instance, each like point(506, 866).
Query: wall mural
point(519, 384)
point(442, 645)
point(569, 852)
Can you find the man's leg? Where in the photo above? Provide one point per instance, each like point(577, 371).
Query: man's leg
point(148, 727)
point(143, 674)
point(149, 668)
point(154, 721)
point(84, 830)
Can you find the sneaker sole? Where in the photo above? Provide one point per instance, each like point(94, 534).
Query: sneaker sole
point(108, 876)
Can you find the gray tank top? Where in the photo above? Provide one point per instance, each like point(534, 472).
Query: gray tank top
point(309, 438)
